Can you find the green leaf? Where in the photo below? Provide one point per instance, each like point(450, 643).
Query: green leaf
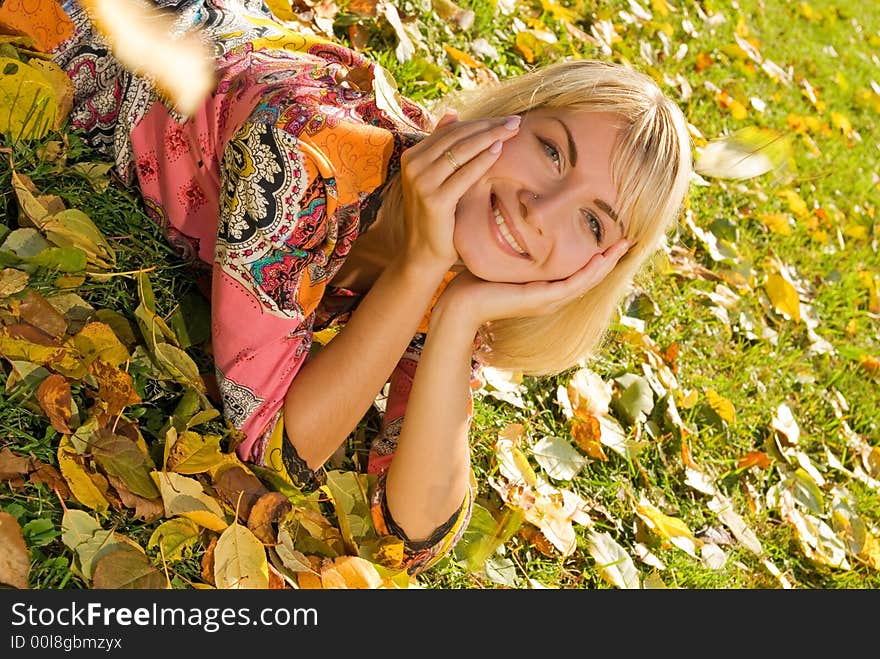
point(122, 458)
point(128, 568)
point(635, 398)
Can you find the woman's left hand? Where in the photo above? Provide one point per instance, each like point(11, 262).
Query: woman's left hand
point(480, 301)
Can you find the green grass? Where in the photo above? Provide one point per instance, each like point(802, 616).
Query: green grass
point(732, 356)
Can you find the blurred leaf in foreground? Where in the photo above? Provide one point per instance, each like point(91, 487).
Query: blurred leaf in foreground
point(747, 153)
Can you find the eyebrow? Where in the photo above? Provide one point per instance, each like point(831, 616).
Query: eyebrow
point(572, 148)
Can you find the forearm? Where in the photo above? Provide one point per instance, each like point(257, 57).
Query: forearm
point(428, 477)
point(335, 387)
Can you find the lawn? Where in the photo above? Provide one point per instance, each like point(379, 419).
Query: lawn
point(726, 435)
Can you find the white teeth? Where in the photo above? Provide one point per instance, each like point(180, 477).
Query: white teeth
point(505, 232)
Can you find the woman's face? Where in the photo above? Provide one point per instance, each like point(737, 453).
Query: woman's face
point(547, 205)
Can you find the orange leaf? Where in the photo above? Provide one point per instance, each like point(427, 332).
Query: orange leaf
point(870, 365)
point(462, 57)
point(754, 459)
point(55, 399)
point(586, 434)
point(686, 456)
point(704, 61)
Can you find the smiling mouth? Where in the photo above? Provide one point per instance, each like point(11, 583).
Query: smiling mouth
point(505, 232)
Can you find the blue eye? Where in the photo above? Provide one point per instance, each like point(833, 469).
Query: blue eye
point(552, 152)
point(594, 224)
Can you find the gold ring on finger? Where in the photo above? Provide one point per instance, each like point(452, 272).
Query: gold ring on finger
point(451, 159)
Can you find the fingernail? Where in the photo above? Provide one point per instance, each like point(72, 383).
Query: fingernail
point(495, 148)
point(512, 123)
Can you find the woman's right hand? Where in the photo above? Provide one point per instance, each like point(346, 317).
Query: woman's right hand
point(437, 171)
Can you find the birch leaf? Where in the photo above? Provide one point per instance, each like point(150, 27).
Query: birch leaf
point(127, 568)
point(614, 564)
point(240, 560)
point(185, 496)
point(122, 458)
point(669, 528)
point(558, 458)
point(783, 296)
point(15, 560)
point(174, 536)
point(192, 453)
point(81, 485)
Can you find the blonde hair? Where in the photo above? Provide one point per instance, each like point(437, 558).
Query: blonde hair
point(651, 167)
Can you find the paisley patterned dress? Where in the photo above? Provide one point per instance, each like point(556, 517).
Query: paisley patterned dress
point(264, 190)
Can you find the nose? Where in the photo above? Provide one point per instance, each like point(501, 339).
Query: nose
point(531, 210)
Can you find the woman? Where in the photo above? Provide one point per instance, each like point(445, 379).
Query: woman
point(504, 236)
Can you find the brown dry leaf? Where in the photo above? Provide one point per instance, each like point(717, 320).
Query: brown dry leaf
point(533, 536)
point(239, 488)
point(208, 562)
point(45, 473)
point(15, 559)
point(12, 281)
point(55, 399)
point(240, 560)
point(12, 465)
point(145, 509)
point(115, 388)
point(265, 514)
point(37, 311)
point(127, 568)
point(121, 457)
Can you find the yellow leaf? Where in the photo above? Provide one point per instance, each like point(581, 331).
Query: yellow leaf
point(722, 406)
point(559, 12)
point(797, 205)
point(184, 496)
point(193, 454)
point(661, 7)
point(240, 560)
point(777, 222)
point(98, 341)
point(350, 572)
point(28, 101)
point(843, 124)
point(81, 485)
point(668, 528)
point(173, 536)
point(783, 296)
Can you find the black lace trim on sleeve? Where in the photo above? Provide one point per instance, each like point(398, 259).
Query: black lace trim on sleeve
point(418, 545)
point(302, 476)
